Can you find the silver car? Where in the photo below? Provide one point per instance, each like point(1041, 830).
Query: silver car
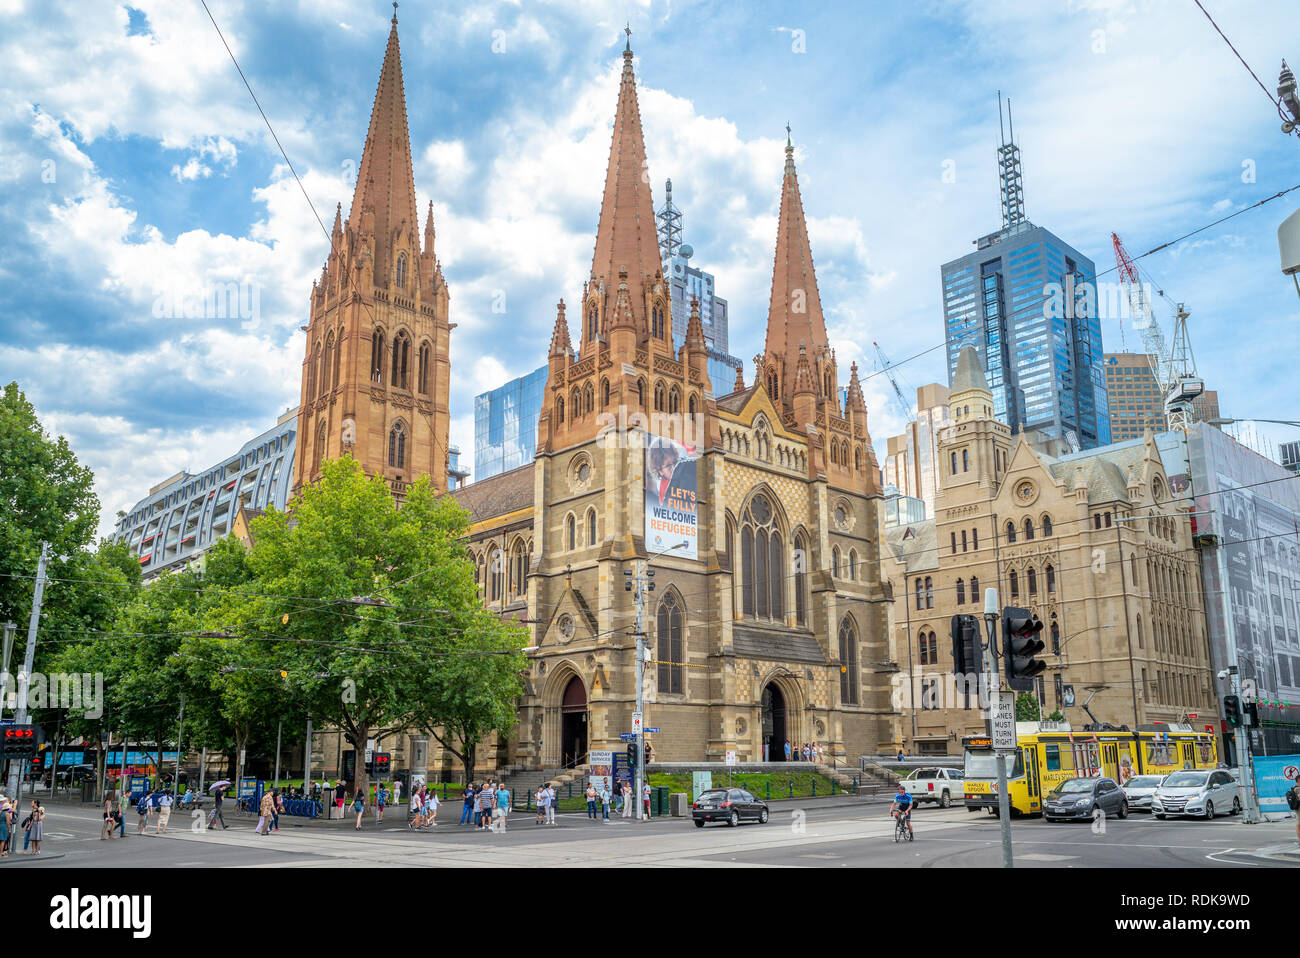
point(1140, 789)
point(1205, 793)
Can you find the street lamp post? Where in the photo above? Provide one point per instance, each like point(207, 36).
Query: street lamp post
point(993, 688)
point(639, 584)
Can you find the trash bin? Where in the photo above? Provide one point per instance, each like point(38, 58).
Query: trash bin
point(659, 802)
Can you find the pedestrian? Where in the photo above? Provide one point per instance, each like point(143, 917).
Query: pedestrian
point(264, 808)
point(119, 813)
point(340, 795)
point(359, 806)
point(900, 755)
point(591, 801)
point(649, 752)
point(277, 806)
point(645, 799)
point(218, 798)
point(164, 812)
point(35, 827)
point(627, 799)
point(110, 821)
point(805, 751)
point(381, 799)
point(430, 807)
point(5, 816)
point(142, 809)
point(1293, 799)
point(787, 750)
point(397, 792)
point(550, 804)
point(467, 810)
point(503, 806)
point(604, 802)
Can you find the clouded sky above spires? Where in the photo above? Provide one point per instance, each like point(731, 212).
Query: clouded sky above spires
point(138, 178)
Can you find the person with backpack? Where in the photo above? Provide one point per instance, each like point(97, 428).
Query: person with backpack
point(381, 799)
point(164, 812)
point(142, 809)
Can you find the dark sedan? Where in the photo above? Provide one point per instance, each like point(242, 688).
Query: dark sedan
point(730, 805)
point(1080, 797)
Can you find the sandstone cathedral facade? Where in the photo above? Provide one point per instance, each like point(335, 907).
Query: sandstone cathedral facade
point(772, 627)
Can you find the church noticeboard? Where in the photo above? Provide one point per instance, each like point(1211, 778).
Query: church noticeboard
point(671, 507)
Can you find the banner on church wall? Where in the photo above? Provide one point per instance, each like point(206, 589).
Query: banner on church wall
point(671, 501)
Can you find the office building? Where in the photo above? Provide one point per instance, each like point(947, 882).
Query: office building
point(1026, 301)
point(184, 515)
point(910, 458)
point(1136, 400)
point(505, 424)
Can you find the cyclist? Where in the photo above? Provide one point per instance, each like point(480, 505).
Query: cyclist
point(901, 809)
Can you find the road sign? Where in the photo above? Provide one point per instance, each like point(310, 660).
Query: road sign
point(649, 731)
point(627, 736)
point(637, 719)
point(731, 757)
point(1003, 721)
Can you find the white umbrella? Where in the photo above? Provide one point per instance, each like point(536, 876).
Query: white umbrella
point(221, 784)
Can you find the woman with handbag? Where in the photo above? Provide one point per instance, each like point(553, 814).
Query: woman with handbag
point(5, 818)
point(359, 806)
point(36, 826)
point(110, 820)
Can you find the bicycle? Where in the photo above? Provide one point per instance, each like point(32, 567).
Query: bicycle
point(901, 832)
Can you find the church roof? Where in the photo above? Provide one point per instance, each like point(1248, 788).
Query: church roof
point(1104, 469)
point(499, 495)
point(917, 552)
point(970, 373)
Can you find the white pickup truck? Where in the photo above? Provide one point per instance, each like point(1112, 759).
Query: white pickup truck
point(935, 784)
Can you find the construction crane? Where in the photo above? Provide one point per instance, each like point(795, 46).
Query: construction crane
point(887, 369)
point(1173, 366)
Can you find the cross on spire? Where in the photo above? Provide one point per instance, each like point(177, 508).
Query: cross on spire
point(628, 30)
point(394, 11)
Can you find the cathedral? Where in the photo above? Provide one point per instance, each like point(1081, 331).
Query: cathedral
point(753, 507)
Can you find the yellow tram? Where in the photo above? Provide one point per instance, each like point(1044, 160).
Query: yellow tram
point(1050, 752)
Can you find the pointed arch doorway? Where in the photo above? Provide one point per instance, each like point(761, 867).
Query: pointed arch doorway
point(774, 723)
point(573, 723)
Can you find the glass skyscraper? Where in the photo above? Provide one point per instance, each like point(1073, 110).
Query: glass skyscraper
point(505, 424)
point(1013, 299)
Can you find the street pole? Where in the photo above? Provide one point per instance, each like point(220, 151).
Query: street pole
point(9, 630)
point(306, 763)
point(640, 702)
point(180, 730)
point(993, 687)
point(1241, 740)
point(25, 676)
point(203, 770)
point(278, 729)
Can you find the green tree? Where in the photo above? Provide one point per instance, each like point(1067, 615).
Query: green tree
point(362, 604)
point(1027, 707)
point(45, 496)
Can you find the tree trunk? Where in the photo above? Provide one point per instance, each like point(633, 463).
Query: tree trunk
point(467, 756)
point(361, 782)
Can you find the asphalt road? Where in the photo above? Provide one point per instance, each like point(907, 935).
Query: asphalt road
point(821, 833)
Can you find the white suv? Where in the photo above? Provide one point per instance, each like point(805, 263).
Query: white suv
point(1204, 793)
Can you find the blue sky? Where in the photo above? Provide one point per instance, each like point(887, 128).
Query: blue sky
point(138, 176)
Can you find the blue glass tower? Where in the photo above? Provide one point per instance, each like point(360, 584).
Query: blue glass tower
point(505, 424)
point(1014, 300)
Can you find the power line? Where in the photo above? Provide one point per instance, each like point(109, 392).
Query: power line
point(1270, 96)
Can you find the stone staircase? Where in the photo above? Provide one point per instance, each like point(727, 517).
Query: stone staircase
point(524, 782)
point(874, 781)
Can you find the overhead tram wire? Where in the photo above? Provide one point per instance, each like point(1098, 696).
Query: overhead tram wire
point(1271, 98)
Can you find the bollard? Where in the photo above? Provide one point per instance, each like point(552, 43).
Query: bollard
point(769, 790)
point(832, 786)
point(790, 780)
point(814, 794)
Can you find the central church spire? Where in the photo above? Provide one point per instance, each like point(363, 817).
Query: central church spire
point(626, 238)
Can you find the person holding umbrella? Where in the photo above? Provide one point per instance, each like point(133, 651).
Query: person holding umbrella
point(218, 790)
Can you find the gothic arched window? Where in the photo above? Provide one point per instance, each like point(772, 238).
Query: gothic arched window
point(604, 393)
point(1014, 581)
point(397, 446)
point(974, 588)
point(327, 363)
point(1029, 528)
point(401, 354)
point(573, 533)
point(1047, 526)
point(338, 357)
point(668, 633)
point(319, 452)
point(929, 592)
point(762, 561)
point(591, 527)
point(422, 375)
point(800, 580)
point(313, 365)
point(961, 591)
point(559, 408)
point(1051, 579)
point(848, 662)
point(593, 323)
point(1011, 532)
point(377, 356)
point(401, 271)
point(1031, 577)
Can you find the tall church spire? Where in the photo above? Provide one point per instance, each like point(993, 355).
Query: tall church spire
point(794, 313)
point(626, 237)
point(385, 186)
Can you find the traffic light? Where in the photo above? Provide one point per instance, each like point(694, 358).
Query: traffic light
point(631, 755)
point(1021, 643)
point(1232, 710)
point(1252, 714)
point(20, 741)
point(967, 652)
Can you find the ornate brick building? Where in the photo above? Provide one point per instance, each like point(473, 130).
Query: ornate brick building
point(376, 372)
point(1092, 542)
point(773, 631)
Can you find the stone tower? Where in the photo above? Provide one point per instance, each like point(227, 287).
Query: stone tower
point(376, 374)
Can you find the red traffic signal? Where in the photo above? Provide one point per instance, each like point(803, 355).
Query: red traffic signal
point(1020, 629)
point(19, 740)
